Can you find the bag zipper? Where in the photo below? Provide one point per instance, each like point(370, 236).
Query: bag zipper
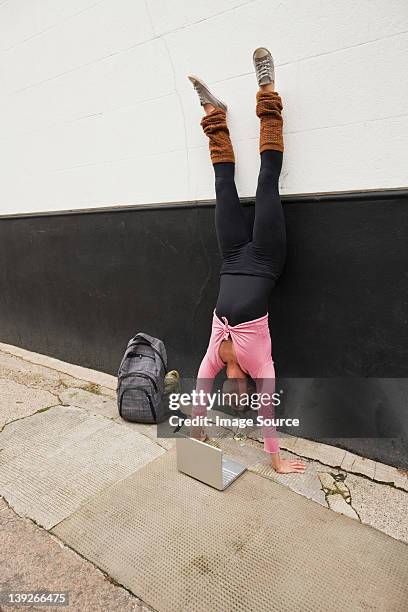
point(148, 399)
point(143, 375)
point(153, 349)
point(140, 355)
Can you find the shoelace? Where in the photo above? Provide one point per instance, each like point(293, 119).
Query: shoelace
point(264, 67)
point(199, 90)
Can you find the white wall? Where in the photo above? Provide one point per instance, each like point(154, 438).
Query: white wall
point(96, 110)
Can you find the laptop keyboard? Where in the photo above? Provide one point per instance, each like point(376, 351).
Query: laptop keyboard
point(227, 476)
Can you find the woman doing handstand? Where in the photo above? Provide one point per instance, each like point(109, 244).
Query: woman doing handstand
point(251, 265)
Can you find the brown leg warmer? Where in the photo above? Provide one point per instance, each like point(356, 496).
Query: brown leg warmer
point(215, 127)
point(268, 109)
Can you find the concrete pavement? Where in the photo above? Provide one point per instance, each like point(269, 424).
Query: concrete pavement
point(32, 558)
point(73, 475)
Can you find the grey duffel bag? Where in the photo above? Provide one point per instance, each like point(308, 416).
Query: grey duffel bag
point(141, 380)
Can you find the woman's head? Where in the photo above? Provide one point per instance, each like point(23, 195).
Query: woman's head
point(238, 383)
point(237, 387)
point(234, 370)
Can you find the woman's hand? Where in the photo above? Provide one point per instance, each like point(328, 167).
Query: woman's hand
point(287, 466)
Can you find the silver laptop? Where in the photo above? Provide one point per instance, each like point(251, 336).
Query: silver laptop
point(206, 463)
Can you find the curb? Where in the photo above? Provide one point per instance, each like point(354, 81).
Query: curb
point(76, 371)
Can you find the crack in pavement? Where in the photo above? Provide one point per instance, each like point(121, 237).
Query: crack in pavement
point(88, 386)
point(338, 486)
point(338, 467)
point(27, 416)
point(88, 410)
point(47, 367)
point(24, 384)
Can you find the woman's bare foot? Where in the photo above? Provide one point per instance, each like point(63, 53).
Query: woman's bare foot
point(287, 466)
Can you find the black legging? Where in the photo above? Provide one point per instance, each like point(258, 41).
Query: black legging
point(250, 265)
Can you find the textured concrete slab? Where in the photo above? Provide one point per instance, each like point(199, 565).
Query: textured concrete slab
point(93, 401)
point(244, 451)
point(252, 455)
point(182, 546)
point(36, 560)
point(18, 401)
point(148, 430)
point(323, 484)
point(44, 433)
point(383, 507)
point(306, 484)
point(49, 480)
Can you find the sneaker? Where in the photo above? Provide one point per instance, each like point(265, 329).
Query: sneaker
point(205, 95)
point(264, 67)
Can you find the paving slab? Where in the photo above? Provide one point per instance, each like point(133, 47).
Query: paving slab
point(184, 547)
point(287, 442)
point(252, 455)
point(306, 484)
point(50, 480)
point(36, 560)
point(44, 433)
point(383, 507)
point(93, 401)
point(18, 401)
point(338, 504)
point(317, 482)
point(330, 455)
point(364, 466)
point(390, 474)
point(148, 430)
point(348, 461)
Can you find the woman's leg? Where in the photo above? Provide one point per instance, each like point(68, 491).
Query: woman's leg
point(269, 234)
point(229, 217)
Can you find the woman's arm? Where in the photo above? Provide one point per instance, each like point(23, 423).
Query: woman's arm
point(266, 383)
point(208, 370)
point(204, 384)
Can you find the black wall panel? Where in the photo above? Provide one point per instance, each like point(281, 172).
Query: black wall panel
point(77, 286)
